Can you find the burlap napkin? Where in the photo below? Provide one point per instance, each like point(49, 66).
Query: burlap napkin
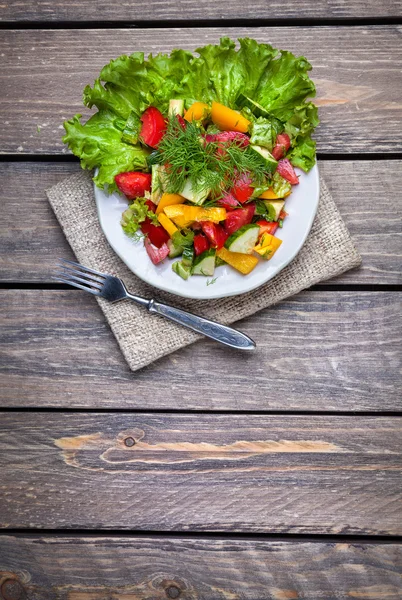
point(144, 337)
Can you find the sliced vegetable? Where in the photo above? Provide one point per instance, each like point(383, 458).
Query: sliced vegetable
point(169, 200)
point(131, 131)
point(174, 250)
point(244, 239)
point(267, 246)
point(282, 146)
point(281, 187)
point(286, 170)
point(204, 264)
point(201, 244)
point(156, 255)
point(215, 233)
point(237, 218)
point(266, 227)
point(188, 256)
point(275, 206)
point(269, 194)
point(167, 224)
point(176, 107)
point(227, 119)
point(184, 271)
point(228, 201)
point(183, 238)
point(195, 196)
point(244, 263)
point(159, 178)
point(133, 184)
point(156, 234)
point(242, 189)
point(257, 109)
point(195, 213)
point(269, 161)
point(197, 112)
point(153, 127)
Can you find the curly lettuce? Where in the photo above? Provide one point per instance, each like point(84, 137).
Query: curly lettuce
point(277, 80)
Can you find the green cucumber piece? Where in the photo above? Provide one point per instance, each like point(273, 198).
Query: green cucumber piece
point(193, 196)
point(174, 250)
point(264, 153)
point(204, 264)
point(181, 270)
point(244, 239)
point(188, 256)
point(176, 107)
point(274, 208)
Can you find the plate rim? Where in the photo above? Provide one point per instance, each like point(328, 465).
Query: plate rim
point(215, 296)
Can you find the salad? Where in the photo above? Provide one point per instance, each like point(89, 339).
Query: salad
point(203, 148)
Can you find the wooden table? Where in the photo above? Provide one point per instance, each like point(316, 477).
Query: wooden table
point(202, 476)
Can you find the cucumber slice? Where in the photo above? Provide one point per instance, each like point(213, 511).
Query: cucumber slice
point(244, 239)
point(181, 270)
point(174, 251)
point(275, 206)
point(204, 264)
point(188, 256)
point(176, 107)
point(193, 196)
point(256, 109)
point(264, 153)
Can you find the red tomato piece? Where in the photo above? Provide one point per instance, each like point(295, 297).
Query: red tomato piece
point(239, 217)
point(267, 227)
point(133, 184)
point(215, 233)
point(151, 205)
point(153, 127)
point(286, 170)
point(282, 145)
point(182, 121)
point(156, 233)
point(200, 243)
point(228, 201)
point(242, 189)
point(156, 255)
point(282, 214)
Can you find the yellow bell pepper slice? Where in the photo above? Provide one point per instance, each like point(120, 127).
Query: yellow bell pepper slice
point(267, 246)
point(195, 213)
point(269, 195)
point(244, 263)
point(167, 224)
point(169, 200)
point(197, 112)
point(227, 119)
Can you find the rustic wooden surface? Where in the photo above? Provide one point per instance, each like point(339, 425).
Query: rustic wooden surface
point(45, 71)
point(253, 476)
point(344, 356)
point(273, 474)
point(155, 568)
point(180, 10)
point(29, 245)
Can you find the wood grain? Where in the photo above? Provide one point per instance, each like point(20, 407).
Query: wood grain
point(139, 10)
point(318, 351)
point(310, 475)
point(153, 568)
point(28, 246)
point(357, 77)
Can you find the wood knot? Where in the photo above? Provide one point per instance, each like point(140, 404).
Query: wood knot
point(129, 442)
point(11, 589)
point(173, 591)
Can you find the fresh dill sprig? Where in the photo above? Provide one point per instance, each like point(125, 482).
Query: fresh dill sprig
point(208, 165)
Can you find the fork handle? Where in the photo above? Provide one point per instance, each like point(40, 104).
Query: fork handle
point(220, 333)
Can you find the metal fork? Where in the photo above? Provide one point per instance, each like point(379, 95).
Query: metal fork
point(113, 289)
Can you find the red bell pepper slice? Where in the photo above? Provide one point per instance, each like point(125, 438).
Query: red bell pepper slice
point(133, 184)
point(239, 217)
point(156, 255)
point(215, 233)
point(286, 170)
point(153, 127)
point(267, 227)
point(200, 244)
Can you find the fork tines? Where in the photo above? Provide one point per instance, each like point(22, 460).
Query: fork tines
point(79, 276)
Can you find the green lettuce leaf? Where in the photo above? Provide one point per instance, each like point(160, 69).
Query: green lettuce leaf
point(277, 80)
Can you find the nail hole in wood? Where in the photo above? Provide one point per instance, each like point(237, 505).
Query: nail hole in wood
point(172, 591)
point(129, 442)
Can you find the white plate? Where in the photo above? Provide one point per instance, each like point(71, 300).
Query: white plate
point(301, 205)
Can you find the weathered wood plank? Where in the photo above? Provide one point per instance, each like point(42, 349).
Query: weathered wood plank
point(149, 568)
point(139, 10)
point(317, 351)
point(29, 244)
point(170, 472)
point(357, 76)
